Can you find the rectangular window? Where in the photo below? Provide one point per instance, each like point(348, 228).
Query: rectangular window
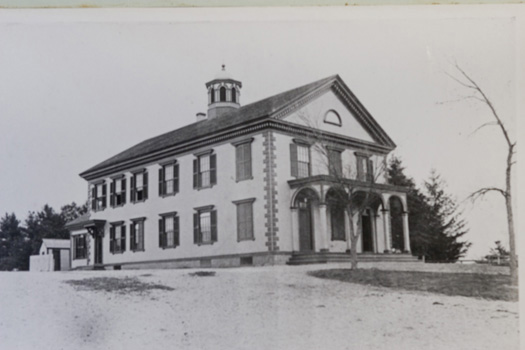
point(335, 163)
point(205, 170)
point(136, 235)
point(79, 247)
point(169, 179)
point(139, 187)
point(300, 160)
point(118, 192)
point(169, 230)
point(243, 157)
point(365, 168)
point(117, 237)
point(205, 226)
point(245, 220)
point(98, 196)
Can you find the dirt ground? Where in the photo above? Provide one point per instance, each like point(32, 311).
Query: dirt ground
point(245, 308)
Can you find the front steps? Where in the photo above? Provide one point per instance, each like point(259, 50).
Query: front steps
point(327, 257)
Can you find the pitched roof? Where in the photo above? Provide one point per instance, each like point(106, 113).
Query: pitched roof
point(81, 219)
point(250, 112)
point(56, 243)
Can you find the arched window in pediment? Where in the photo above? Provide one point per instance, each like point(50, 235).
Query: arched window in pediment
point(212, 92)
point(332, 117)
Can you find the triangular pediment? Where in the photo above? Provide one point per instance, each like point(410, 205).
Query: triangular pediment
point(334, 109)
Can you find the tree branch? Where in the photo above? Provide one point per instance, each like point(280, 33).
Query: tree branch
point(483, 191)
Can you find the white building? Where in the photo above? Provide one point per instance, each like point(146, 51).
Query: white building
point(52, 256)
point(243, 185)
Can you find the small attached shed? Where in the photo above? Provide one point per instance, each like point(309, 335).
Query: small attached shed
point(53, 256)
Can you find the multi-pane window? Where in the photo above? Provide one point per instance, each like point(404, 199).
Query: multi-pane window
point(98, 196)
point(169, 230)
point(243, 160)
point(136, 234)
point(139, 186)
point(365, 168)
point(335, 164)
point(245, 219)
point(234, 95)
point(79, 247)
point(118, 192)
point(222, 94)
point(300, 159)
point(205, 226)
point(117, 237)
point(169, 179)
point(205, 170)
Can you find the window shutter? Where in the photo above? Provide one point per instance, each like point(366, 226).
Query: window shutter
point(196, 229)
point(370, 170)
point(248, 160)
point(112, 194)
point(238, 162)
point(360, 168)
point(213, 169)
point(213, 219)
point(112, 239)
point(123, 190)
point(94, 198)
point(132, 240)
point(249, 215)
point(293, 160)
point(104, 195)
point(123, 238)
point(161, 181)
point(176, 177)
point(176, 231)
point(132, 189)
point(161, 233)
point(145, 190)
point(196, 173)
point(239, 229)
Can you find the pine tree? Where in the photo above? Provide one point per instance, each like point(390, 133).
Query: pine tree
point(444, 223)
point(14, 245)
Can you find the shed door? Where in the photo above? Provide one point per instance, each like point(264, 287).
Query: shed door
point(56, 259)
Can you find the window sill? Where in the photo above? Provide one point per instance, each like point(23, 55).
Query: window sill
point(118, 206)
point(137, 202)
point(170, 247)
point(138, 250)
point(204, 188)
point(97, 210)
point(79, 259)
point(245, 179)
point(339, 239)
point(168, 195)
point(121, 252)
point(246, 239)
point(205, 243)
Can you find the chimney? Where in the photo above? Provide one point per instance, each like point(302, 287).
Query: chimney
point(201, 116)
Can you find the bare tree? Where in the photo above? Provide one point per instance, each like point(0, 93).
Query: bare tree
point(480, 95)
point(354, 188)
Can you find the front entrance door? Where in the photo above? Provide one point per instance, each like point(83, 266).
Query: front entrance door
point(98, 249)
point(368, 244)
point(305, 226)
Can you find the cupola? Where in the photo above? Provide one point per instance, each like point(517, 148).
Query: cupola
point(224, 94)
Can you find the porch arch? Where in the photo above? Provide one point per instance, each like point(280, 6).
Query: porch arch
point(306, 204)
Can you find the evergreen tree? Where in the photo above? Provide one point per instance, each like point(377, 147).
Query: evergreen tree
point(13, 244)
point(435, 224)
point(444, 222)
point(72, 211)
point(45, 224)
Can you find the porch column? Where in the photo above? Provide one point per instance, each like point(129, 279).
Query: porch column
point(324, 228)
point(347, 232)
point(388, 234)
point(406, 236)
point(374, 216)
point(295, 229)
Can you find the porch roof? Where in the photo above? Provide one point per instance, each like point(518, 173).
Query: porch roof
point(330, 180)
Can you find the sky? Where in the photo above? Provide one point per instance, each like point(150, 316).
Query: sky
point(79, 86)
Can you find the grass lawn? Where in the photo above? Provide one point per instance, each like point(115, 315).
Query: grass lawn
point(494, 287)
